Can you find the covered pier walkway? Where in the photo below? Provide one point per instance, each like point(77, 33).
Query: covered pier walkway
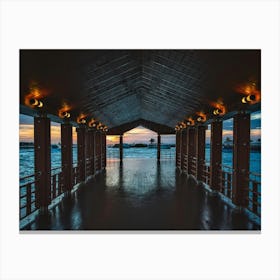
point(104, 93)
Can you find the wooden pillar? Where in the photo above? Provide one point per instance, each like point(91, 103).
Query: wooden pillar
point(96, 151)
point(191, 149)
point(90, 152)
point(91, 133)
point(184, 149)
point(81, 152)
point(66, 157)
point(121, 148)
point(105, 149)
point(158, 147)
point(101, 150)
point(216, 155)
point(42, 153)
point(241, 158)
point(87, 152)
point(200, 151)
point(178, 148)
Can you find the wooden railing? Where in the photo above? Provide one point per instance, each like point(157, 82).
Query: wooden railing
point(27, 190)
point(206, 174)
point(56, 182)
point(27, 196)
point(226, 186)
point(96, 162)
point(226, 181)
point(178, 159)
point(254, 203)
point(185, 162)
point(192, 165)
point(75, 174)
point(88, 166)
point(103, 159)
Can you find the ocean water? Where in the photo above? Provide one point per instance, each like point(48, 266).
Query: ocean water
point(26, 162)
point(227, 159)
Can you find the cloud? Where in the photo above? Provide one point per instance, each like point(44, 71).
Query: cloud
point(140, 135)
point(26, 133)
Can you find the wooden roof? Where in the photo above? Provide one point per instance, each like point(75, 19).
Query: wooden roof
point(122, 88)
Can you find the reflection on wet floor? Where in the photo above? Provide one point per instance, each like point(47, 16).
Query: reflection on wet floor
point(142, 195)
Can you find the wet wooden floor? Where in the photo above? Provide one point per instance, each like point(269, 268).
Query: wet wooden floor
point(142, 195)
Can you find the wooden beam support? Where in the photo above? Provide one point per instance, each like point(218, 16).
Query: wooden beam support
point(121, 149)
point(200, 151)
point(178, 148)
point(81, 131)
point(87, 153)
point(90, 151)
point(191, 150)
point(241, 158)
point(93, 148)
point(183, 152)
point(216, 155)
point(156, 127)
point(98, 150)
point(105, 149)
point(158, 147)
point(101, 150)
point(66, 157)
point(42, 149)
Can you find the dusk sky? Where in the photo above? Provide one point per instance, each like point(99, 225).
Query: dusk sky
point(136, 135)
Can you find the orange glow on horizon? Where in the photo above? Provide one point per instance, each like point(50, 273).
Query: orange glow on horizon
point(112, 139)
point(26, 133)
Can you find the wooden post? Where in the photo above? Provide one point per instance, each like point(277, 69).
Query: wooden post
point(87, 152)
point(42, 147)
point(200, 151)
point(158, 147)
point(66, 157)
point(91, 133)
point(183, 149)
point(241, 158)
point(191, 149)
point(101, 150)
point(105, 149)
point(96, 151)
point(121, 148)
point(178, 148)
point(81, 151)
point(216, 155)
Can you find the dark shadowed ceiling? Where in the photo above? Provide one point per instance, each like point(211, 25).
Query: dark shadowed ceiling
point(122, 88)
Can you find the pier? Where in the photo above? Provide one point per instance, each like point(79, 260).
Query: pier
point(102, 93)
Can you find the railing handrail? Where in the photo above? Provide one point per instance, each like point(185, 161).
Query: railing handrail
point(75, 164)
point(255, 174)
point(26, 177)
